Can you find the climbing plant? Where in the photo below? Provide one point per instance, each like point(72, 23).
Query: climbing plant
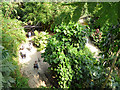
point(72, 62)
point(108, 21)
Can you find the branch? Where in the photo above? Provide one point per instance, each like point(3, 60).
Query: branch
point(111, 69)
point(30, 27)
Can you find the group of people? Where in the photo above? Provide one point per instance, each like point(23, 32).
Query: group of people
point(23, 51)
point(23, 54)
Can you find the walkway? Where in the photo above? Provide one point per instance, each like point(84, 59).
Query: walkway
point(94, 49)
point(37, 78)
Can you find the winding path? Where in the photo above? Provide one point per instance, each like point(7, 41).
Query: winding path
point(36, 77)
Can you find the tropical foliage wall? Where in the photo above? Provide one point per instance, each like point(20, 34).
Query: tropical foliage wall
point(72, 63)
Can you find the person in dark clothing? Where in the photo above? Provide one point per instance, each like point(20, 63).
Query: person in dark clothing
point(22, 47)
point(23, 55)
point(38, 60)
point(36, 65)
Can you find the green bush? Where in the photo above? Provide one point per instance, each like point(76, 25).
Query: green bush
point(20, 81)
point(40, 40)
point(12, 36)
point(72, 62)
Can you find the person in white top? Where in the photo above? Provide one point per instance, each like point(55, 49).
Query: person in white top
point(29, 34)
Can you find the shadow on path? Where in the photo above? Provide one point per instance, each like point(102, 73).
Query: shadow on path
point(36, 77)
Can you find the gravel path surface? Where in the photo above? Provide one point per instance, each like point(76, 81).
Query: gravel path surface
point(36, 77)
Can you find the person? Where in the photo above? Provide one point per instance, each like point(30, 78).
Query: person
point(24, 55)
point(97, 31)
point(21, 55)
point(38, 60)
point(36, 65)
point(29, 34)
point(98, 34)
point(30, 45)
point(22, 47)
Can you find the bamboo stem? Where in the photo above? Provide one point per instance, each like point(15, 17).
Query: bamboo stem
point(111, 69)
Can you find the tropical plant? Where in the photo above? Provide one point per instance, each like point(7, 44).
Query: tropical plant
point(38, 13)
point(9, 9)
point(40, 40)
point(109, 41)
point(69, 37)
point(72, 62)
point(12, 36)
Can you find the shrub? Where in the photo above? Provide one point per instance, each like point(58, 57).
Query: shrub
point(13, 35)
point(68, 57)
point(40, 40)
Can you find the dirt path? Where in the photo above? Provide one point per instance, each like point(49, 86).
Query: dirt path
point(36, 77)
point(93, 49)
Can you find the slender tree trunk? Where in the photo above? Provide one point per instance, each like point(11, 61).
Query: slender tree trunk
point(111, 69)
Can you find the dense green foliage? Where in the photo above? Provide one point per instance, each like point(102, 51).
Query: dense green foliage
point(12, 36)
point(71, 61)
point(9, 10)
point(56, 13)
point(108, 37)
point(108, 19)
point(108, 41)
point(40, 40)
point(37, 13)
